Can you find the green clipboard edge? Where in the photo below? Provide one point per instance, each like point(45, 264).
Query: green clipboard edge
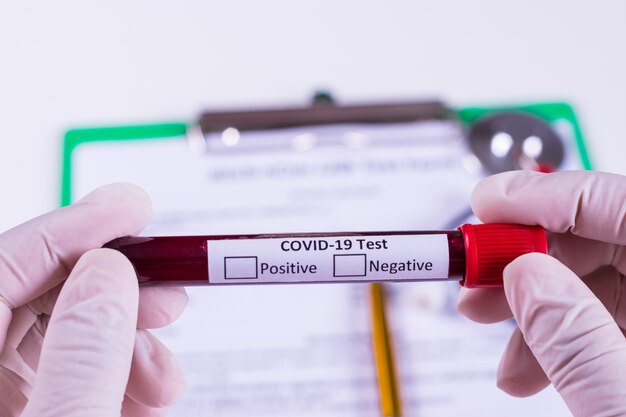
point(75, 137)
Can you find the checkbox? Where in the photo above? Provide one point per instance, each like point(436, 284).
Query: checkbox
point(241, 267)
point(349, 265)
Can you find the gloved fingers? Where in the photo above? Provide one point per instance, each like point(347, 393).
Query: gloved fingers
point(584, 256)
point(44, 304)
point(519, 373)
point(608, 285)
point(484, 305)
point(160, 306)
point(585, 203)
point(131, 408)
point(6, 315)
point(600, 265)
point(155, 377)
point(23, 375)
point(86, 354)
point(25, 335)
point(31, 344)
point(27, 329)
point(22, 360)
point(574, 338)
point(10, 359)
point(12, 400)
point(152, 362)
point(22, 320)
point(37, 255)
point(29, 321)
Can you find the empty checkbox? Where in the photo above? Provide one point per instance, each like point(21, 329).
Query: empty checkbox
point(349, 265)
point(240, 267)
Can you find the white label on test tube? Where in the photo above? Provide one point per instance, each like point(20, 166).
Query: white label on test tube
point(328, 259)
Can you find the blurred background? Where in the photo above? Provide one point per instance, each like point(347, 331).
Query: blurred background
point(75, 63)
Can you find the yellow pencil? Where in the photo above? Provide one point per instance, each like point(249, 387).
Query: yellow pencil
point(383, 354)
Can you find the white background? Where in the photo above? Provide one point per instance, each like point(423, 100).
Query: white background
point(76, 63)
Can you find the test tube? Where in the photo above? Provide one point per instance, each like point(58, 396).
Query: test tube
point(473, 254)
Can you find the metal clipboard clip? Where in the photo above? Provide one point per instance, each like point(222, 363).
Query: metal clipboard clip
point(500, 141)
point(222, 131)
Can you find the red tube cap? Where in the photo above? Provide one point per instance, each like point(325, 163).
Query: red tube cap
point(489, 248)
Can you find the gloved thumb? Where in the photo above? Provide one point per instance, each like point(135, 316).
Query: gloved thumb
point(574, 338)
point(86, 355)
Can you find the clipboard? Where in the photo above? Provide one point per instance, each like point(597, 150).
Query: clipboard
point(219, 134)
point(551, 113)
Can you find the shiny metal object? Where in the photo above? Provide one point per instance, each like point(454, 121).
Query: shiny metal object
point(506, 141)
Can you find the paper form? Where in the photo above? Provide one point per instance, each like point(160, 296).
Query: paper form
point(306, 349)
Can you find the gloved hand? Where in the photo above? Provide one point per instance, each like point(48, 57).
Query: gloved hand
point(570, 329)
point(72, 320)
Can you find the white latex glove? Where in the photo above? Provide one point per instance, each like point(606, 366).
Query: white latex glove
point(72, 320)
point(570, 329)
